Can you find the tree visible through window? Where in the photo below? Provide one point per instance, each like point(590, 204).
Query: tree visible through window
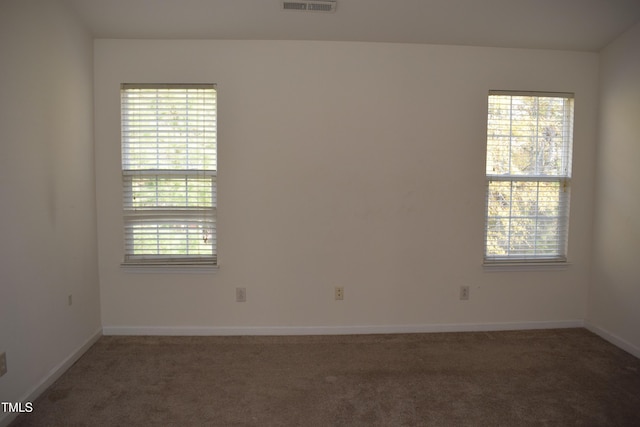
point(169, 169)
point(528, 172)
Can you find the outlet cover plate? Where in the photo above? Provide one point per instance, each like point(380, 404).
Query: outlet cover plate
point(241, 294)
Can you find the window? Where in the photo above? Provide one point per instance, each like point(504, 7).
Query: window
point(169, 169)
point(528, 175)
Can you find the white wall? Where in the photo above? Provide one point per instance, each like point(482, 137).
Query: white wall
point(47, 193)
point(614, 300)
point(351, 164)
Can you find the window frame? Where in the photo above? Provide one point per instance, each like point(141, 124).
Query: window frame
point(162, 214)
point(563, 179)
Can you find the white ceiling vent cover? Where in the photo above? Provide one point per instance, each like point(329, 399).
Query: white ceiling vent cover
point(310, 5)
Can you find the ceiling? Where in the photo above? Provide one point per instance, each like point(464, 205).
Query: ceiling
point(583, 25)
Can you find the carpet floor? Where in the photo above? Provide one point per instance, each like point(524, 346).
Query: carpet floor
point(564, 377)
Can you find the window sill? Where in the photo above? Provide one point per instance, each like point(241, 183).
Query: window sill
point(169, 268)
point(525, 266)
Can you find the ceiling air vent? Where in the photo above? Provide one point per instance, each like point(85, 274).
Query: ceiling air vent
point(310, 5)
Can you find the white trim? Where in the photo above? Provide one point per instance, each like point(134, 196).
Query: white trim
point(136, 268)
point(570, 95)
point(613, 339)
point(335, 330)
point(52, 376)
point(525, 266)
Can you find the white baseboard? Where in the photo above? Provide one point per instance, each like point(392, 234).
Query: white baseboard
point(52, 376)
point(614, 339)
point(334, 330)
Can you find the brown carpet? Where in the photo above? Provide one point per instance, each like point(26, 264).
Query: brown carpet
point(519, 378)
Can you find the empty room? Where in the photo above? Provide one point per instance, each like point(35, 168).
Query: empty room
point(319, 212)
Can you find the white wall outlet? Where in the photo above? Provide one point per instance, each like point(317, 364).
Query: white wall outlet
point(464, 293)
point(339, 293)
point(241, 294)
point(3, 363)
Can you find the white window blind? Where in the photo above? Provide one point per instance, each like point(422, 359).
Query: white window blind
point(528, 174)
point(169, 170)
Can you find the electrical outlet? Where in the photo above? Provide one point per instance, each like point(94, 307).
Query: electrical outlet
point(339, 293)
point(241, 294)
point(3, 363)
point(464, 293)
